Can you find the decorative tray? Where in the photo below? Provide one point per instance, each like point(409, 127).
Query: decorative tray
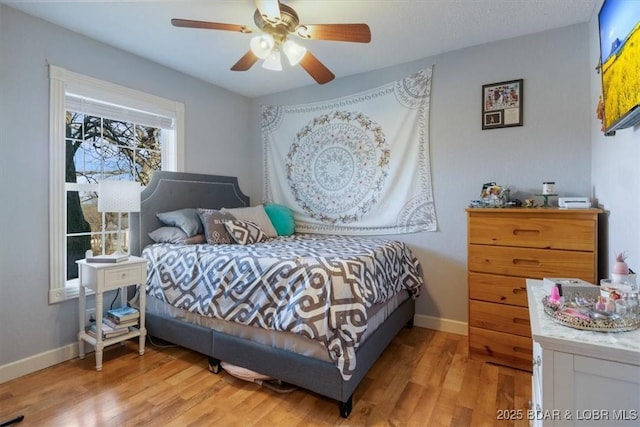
point(584, 317)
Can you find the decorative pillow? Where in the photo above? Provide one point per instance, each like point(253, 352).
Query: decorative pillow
point(214, 230)
point(281, 217)
point(256, 215)
point(245, 232)
point(175, 235)
point(187, 219)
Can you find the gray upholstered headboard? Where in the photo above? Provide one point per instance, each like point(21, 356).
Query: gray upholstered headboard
point(169, 191)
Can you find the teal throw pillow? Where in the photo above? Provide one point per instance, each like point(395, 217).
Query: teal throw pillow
point(282, 218)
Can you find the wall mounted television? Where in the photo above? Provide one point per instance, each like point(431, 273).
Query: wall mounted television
point(619, 24)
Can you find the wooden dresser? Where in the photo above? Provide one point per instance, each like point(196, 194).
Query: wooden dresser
point(505, 247)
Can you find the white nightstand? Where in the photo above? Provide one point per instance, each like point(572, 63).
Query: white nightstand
point(101, 278)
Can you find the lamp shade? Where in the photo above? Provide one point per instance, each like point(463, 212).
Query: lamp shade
point(118, 196)
point(262, 45)
point(273, 62)
point(293, 51)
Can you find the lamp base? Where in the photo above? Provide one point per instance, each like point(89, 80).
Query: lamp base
point(119, 254)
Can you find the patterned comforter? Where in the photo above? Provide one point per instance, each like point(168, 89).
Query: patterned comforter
point(316, 286)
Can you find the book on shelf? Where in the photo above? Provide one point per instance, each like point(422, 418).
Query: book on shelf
point(107, 259)
point(107, 331)
point(123, 314)
point(119, 325)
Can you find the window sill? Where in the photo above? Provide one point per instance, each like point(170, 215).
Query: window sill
point(67, 293)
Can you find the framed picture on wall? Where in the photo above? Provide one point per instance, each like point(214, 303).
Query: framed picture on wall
point(502, 104)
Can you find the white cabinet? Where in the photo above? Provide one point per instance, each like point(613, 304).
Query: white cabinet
point(581, 377)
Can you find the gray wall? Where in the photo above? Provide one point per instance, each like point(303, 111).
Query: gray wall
point(553, 144)
point(216, 135)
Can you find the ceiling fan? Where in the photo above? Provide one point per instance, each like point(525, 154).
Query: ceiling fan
point(276, 22)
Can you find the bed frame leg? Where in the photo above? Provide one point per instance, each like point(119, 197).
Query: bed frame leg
point(345, 407)
point(214, 365)
point(410, 323)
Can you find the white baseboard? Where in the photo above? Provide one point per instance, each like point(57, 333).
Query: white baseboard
point(444, 325)
point(40, 361)
point(37, 362)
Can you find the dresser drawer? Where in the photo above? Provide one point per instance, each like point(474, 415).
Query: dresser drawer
point(499, 317)
point(124, 275)
point(546, 232)
point(500, 348)
point(531, 263)
point(499, 289)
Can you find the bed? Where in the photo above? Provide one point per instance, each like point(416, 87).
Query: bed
point(326, 346)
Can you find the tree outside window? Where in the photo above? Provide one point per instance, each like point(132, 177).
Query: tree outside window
point(98, 131)
point(96, 149)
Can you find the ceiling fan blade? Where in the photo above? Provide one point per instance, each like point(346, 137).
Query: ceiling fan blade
point(246, 62)
point(316, 69)
point(270, 9)
point(188, 23)
point(358, 33)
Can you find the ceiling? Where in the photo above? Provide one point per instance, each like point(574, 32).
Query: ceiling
point(401, 31)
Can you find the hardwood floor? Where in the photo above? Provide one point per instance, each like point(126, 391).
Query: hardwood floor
point(424, 378)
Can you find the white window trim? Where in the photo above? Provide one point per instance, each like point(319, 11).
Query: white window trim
point(61, 82)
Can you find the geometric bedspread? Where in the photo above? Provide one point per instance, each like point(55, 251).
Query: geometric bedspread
point(317, 286)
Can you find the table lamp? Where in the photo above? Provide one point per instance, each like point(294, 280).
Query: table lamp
point(119, 196)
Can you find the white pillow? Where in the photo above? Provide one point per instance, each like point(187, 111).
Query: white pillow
point(255, 214)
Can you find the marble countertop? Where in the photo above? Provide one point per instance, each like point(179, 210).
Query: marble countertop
point(621, 347)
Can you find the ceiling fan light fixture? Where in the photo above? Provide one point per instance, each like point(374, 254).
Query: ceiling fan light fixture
point(276, 22)
point(273, 61)
point(262, 45)
point(293, 51)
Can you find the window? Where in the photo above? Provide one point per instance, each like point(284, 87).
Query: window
point(99, 131)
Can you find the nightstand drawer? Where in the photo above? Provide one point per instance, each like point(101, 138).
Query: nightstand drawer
point(499, 317)
point(533, 232)
point(531, 263)
point(124, 275)
point(500, 348)
point(499, 289)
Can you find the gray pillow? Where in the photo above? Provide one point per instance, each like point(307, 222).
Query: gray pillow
point(214, 230)
point(187, 219)
point(175, 235)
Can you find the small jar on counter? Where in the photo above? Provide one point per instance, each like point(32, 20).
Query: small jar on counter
point(548, 187)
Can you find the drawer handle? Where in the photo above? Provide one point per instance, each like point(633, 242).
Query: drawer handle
point(524, 232)
point(520, 261)
point(123, 276)
point(519, 321)
point(537, 361)
point(521, 350)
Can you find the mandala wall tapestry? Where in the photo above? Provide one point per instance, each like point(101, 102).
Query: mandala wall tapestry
point(354, 165)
